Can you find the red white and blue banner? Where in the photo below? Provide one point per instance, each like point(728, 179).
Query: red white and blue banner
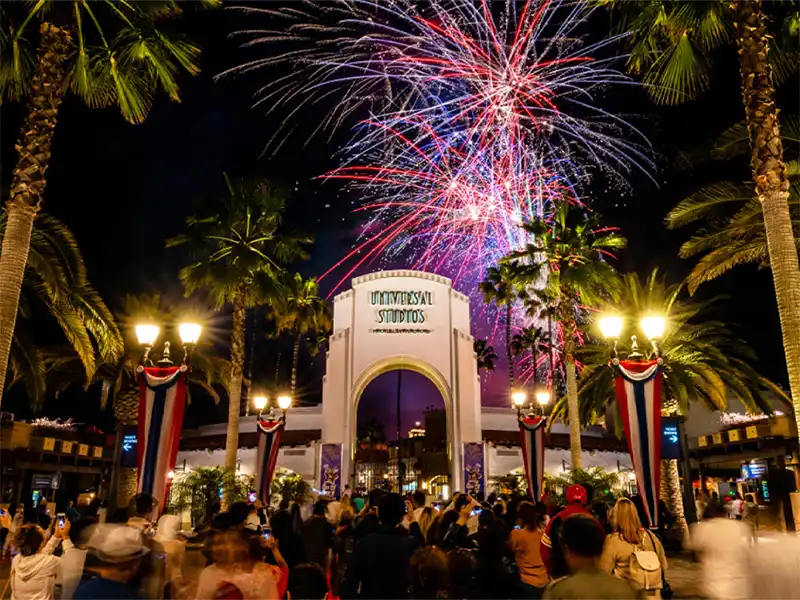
point(531, 430)
point(162, 399)
point(639, 397)
point(269, 445)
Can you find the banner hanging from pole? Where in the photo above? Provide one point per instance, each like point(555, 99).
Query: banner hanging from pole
point(474, 480)
point(331, 470)
point(269, 445)
point(531, 430)
point(162, 399)
point(639, 396)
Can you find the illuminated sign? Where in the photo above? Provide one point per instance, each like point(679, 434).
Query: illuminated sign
point(755, 469)
point(129, 450)
point(670, 438)
point(401, 307)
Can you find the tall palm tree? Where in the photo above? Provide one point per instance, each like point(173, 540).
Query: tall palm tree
point(529, 340)
point(732, 222)
point(238, 255)
point(567, 257)
point(106, 53)
point(300, 312)
point(703, 363)
point(499, 288)
point(56, 283)
point(672, 44)
point(486, 355)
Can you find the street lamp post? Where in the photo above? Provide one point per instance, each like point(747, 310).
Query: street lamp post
point(146, 336)
point(283, 404)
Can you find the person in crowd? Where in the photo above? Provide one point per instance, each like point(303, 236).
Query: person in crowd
point(43, 518)
point(141, 508)
point(498, 509)
point(379, 567)
point(307, 582)
point(358, 503)
point(426, 519)
point(628, 537)
point(552, 553)
point(344, 541)
point(699, 504)
point(113, 558)
point(290, 544)
point(429, 573)
point(239, 573)
point(583, 541)
point(438, 532)
point(167, 535)
point(33, 570)
point(71, 512)
point(70, 569)
point(735, 507)
point(297, 518)
point(102, 511)
point(525, 543)
point(462, 566)
point(457, 534)
point(750, 516)
point(600, 512)
point(418, 499)
point(332, 509)
point(318, 536)
point(14, 516)
point(550, 500)
point(497, 574)
point(722, 546)
point(367, 521)
point(238, 512)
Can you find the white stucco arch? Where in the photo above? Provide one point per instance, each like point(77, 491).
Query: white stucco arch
point(401, 319)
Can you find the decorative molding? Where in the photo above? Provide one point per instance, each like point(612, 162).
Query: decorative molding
point(401, 273)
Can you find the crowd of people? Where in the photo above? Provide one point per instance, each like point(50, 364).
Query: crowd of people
point(380, 545)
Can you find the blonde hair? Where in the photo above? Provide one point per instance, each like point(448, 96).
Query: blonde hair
point(426, 519)
point(626, 521)
point(346, 515)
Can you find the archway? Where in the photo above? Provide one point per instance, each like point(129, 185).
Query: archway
point(401, 435)
point(409, 320)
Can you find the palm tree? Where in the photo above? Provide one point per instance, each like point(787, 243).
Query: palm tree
point(106, 53)
point(732, 231)
point(55, 283)
point(703, 362)
point(486, 355)
point(301, 313)
point(568, 250)
point(529, 340)
point(238, 255)
point(672, 44)
point(499, 288)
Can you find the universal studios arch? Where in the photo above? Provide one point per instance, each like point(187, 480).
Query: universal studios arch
point(409, 320)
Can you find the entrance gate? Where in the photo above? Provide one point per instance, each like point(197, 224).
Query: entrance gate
point(409, 320)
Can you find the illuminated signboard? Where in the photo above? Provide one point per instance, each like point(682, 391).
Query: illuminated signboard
point(670, 438)
point(401, 307)
point(129, 450)
point(755, 469)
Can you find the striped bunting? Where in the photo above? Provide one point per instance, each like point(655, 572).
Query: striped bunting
point(639, 397)
point(269, 445)
point(531, 431)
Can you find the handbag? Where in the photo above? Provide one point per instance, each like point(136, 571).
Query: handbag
point(667, 593)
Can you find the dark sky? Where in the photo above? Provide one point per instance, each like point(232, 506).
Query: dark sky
point(123, 189)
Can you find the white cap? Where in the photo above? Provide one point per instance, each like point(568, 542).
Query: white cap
point(116, 543)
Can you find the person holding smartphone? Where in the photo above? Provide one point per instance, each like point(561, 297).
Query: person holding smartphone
point(33, 570)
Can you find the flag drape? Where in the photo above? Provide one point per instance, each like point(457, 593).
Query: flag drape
point(531, 431)
point(162, 400)
point(269, 445)
point(639, 397)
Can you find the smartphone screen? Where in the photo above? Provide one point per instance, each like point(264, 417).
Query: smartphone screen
point(62, 518)
point(252, 496)
point(266, 532)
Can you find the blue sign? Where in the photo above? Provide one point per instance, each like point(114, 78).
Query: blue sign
point(670, 438)
point(755, 469)
point(129, 450)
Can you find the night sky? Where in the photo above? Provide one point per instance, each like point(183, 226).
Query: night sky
point(124, 189)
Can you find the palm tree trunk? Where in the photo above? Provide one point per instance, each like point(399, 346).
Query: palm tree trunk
point(29, 178)
point(769, 174)
point(573, 414)
point(509, 357)
point(295, 361)
point(235, 389)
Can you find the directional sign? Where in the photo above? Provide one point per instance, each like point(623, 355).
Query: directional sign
point(129, 454)
point(670, 438)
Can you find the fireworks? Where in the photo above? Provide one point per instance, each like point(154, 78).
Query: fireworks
point(474, 116)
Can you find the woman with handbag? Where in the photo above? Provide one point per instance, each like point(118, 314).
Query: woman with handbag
point(632, 553)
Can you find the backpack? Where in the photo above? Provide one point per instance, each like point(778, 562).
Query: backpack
point(645, 567)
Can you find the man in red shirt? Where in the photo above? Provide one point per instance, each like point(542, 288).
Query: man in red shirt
point(551, 548)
